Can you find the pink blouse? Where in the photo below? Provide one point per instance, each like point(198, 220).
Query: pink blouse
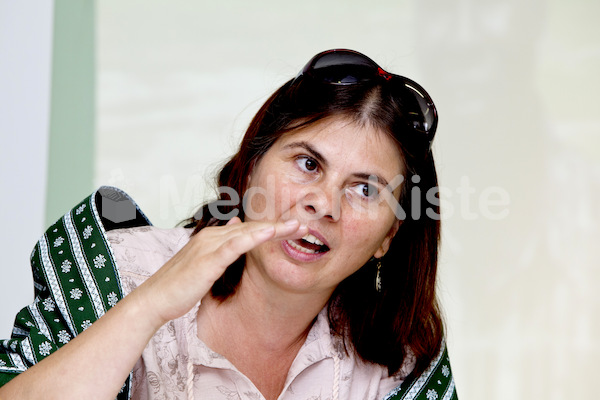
point(176, 364)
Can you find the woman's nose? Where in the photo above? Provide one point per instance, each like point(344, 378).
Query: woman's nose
point(317, 203)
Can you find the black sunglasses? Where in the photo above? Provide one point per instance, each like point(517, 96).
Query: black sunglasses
point(349, 67)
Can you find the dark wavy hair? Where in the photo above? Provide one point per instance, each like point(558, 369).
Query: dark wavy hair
point(403, 319)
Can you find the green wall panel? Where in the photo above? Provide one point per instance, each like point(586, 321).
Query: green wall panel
point(72, 125)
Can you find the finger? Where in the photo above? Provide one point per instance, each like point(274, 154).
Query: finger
point(235, 226)
point(242, 242)
point(282, 229)
point(233, 221)
point(252, 236)
point(261, 230)
point(291, 229)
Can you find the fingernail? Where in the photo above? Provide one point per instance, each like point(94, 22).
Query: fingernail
point(291, 222)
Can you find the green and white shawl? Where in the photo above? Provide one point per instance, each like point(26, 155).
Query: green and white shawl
point(435, 383)
point(76, 281)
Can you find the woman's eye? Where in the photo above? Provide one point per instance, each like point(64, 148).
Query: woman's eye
point(368, 190)
point(307, 164)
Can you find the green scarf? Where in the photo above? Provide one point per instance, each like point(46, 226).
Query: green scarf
point(75, 281)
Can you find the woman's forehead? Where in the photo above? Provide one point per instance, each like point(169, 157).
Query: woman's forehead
point(345, 131)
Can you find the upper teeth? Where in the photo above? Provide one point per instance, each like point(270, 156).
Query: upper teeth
point(312, 239)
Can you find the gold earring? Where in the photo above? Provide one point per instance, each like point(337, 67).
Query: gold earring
point(378, 277)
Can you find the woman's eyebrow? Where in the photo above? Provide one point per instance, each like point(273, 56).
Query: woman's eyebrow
point(371, 177)
point(306, 146)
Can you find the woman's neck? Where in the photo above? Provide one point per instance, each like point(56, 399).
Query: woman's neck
point(270, 319)
point(259, 331)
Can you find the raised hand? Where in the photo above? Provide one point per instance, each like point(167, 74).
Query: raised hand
point(188, 276)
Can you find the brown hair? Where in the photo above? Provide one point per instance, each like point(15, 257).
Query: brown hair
point(379, 326)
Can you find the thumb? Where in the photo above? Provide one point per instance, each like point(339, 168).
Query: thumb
point(234, 220)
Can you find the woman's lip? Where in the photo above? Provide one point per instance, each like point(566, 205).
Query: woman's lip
point(300, 255)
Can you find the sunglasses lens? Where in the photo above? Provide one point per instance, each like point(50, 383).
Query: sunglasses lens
point(420, 109)
point(341, 67)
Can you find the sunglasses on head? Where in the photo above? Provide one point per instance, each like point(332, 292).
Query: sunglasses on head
point(348, 67)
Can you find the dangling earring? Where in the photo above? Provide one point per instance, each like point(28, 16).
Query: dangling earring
point(378, 277)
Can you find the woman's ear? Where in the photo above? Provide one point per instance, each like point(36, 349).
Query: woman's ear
point(385, 245)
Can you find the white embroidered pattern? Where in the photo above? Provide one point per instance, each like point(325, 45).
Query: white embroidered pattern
point(431, 395)
point(87, 232)
point(63, 336)
point(449, 391)
point(59, 240)
point(53, 281)
point(2, 363)
point(112, 299)
point(26, 349)
point(84, 267)
point(66, 266)
point(49, 304)
point(17, 331)
point(230, 394)
point(39, 320)
point(99, 261)
point(445, 371)
point(18, 362)
point(86, 324)
point(45, 348)
point(80, 209)
point(76, 293)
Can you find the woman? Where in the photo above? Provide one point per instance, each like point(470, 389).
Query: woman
point(312, 275)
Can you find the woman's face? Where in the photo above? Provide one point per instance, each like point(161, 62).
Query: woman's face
point(337, 178)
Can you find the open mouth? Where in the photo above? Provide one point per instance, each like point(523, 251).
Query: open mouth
point(309, 244)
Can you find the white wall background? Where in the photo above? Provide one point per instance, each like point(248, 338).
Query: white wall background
point(25, 66)
point(516, 85)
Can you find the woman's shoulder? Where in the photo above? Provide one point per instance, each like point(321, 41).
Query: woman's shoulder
point(149, 237)
point(143, 250)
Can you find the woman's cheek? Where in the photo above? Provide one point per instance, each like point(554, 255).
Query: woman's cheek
point(288, 200)
point(260, 202)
